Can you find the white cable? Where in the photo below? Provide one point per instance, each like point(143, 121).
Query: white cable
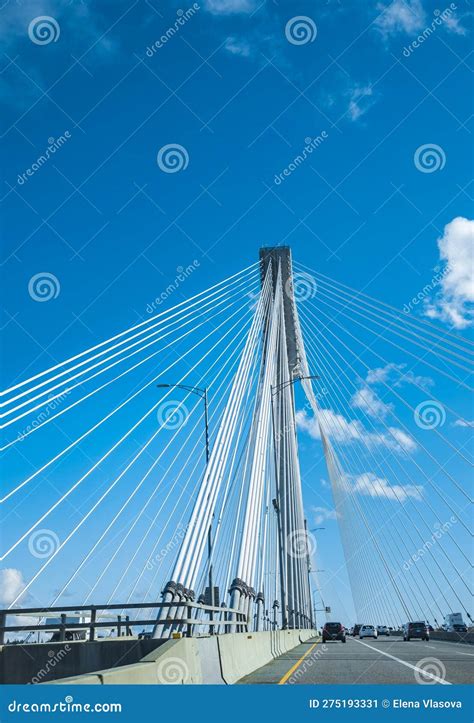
point(388, 386)
point(114, 411)
point(200, 518)
point(157, 487)
point(66, 390)
point(127, 331)
point(392, 309)
point(147, 414)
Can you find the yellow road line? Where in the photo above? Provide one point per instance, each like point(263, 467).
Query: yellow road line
point(296, 665)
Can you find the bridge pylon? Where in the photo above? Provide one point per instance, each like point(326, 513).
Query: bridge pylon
point(272, 501)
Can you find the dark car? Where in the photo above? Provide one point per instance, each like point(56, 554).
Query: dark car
point(334, 631)
point(416, 630)
point(460, 628)
point(356, 629)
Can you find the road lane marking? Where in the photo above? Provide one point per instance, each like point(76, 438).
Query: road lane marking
point(407, 665)
point(296, 665)
point(471, 655)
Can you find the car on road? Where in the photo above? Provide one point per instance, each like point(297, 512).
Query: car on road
point(356, 628)
point(383, 630)
point(368, 631)
point(416, 630)
point(453, 623)
point(334, 631)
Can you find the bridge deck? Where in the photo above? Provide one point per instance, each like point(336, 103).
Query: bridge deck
point(367, 662)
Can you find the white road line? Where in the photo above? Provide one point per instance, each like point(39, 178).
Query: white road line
point(407, 665)
point(471, 655)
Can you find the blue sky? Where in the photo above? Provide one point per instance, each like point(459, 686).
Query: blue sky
point(240, 91)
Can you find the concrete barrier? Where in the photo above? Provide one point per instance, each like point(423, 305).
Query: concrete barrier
point(443, 635)
point(44, 662)
point(241, 653)
point(214, 660)
point(453, 637)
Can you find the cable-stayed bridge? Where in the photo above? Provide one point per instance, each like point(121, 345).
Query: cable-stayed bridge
point(164, 465)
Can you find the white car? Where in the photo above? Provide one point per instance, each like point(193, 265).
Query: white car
point(382, 630)
point(368, 631)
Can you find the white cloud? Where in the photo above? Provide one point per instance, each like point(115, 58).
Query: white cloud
point(398, 375)
point(453, 24)
point(231, 7)
point(360, 100)
point(321, 514)
point(404, 440)
point(463, 423)
point(11, 585)
point(381, 374)
point(369, 402)
point(369, 484)
point(400, 16)
point(238, 46)
point(88, 24)
point(453, 304)
point(338, 428)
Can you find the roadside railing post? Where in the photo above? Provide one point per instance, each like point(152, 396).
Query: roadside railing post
point(119, 626)
point(62, 628)
point(3, 619)
point(92, 624)
point(189, 626)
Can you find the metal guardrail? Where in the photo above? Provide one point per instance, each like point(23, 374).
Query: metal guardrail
point(228, 617)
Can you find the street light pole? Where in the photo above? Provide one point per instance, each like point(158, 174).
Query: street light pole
point(203, 394)
point(277, 501)
point(276, 505)
point(209, 534)
point(313, 608)
point(308, 563)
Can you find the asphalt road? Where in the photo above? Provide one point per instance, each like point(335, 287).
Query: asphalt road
point(387, 660)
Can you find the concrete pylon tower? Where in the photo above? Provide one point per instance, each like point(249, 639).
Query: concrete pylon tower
point(290, 367)
point(275, 342)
